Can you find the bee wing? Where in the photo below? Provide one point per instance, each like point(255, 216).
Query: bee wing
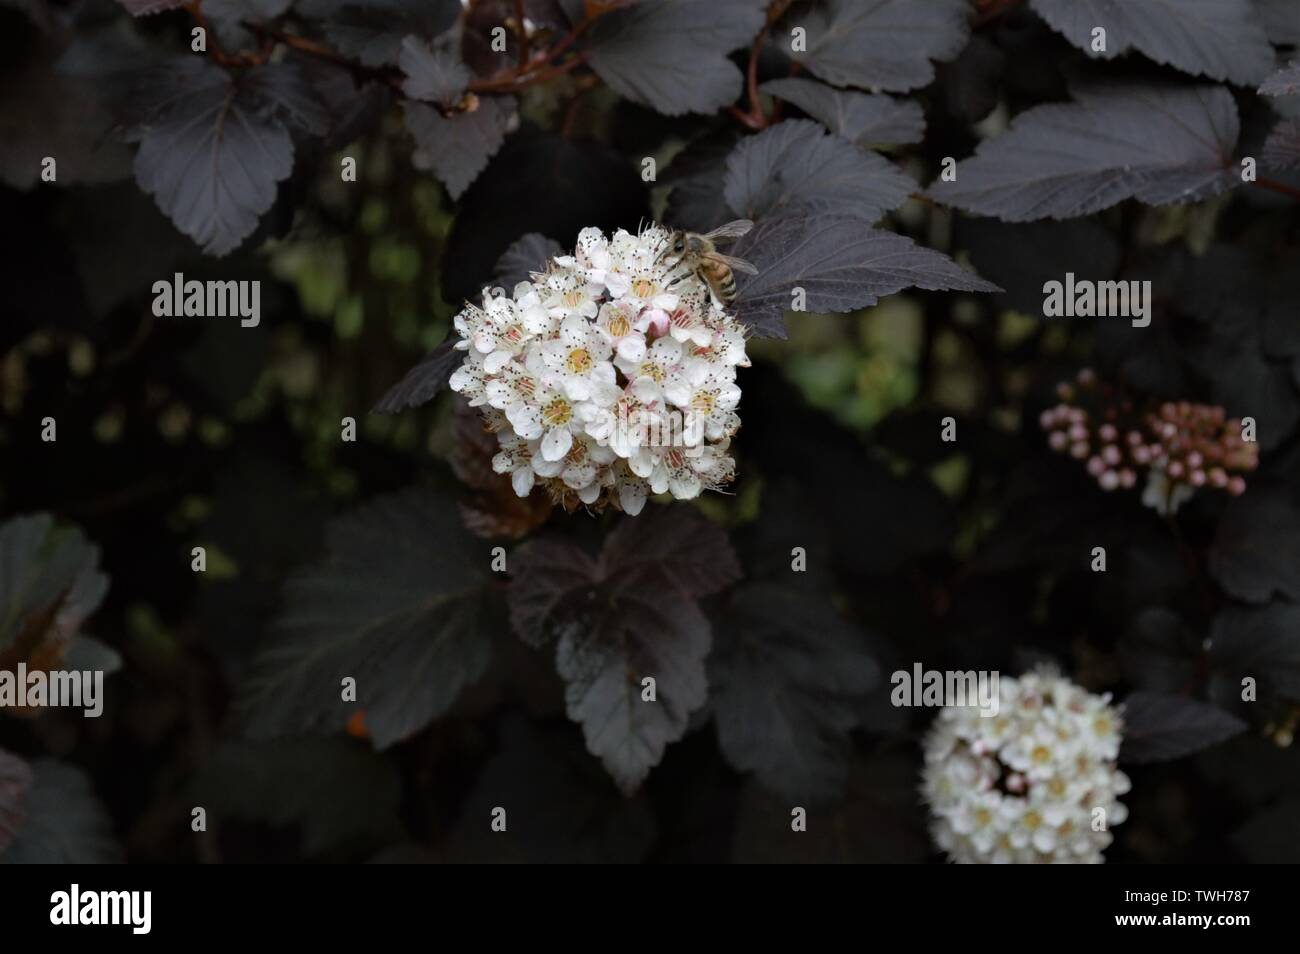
point(731, 230)
point(735, 264)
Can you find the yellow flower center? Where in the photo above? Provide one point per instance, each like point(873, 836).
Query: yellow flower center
point(1041, 754)
point(619, 325)
point(703, 401)
point(579, 361)
point(1101, 725)
point(557, 413)
point(652, 371)
point(644, 288)
point(1032, 819)
point(572, 298)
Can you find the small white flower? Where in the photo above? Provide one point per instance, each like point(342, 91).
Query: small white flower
point(516, 459)
point(708, 393)
point(616, 322)
point(578, 359)
point(658, 368)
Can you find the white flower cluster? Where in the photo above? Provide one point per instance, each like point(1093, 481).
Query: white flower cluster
point(607, 377)
point(1025, 786)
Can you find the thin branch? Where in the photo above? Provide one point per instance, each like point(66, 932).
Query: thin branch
point(1281, 187)
point(515, 81)
point(989, 10)
point(522, 32)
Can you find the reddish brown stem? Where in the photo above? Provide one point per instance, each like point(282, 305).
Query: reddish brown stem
point(511, 82)
point(992, 9)
point(522, 32)
point(746, 119)
point(754, 118)
point(1281, 187)
point(322, 52)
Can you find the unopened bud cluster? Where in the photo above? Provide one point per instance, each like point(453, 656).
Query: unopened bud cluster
point(1178, 446)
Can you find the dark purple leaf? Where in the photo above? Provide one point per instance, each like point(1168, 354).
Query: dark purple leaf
point(1257, 551)
point(46, 571)
point(66, 824)
point(841, 263)
point(1282, 147)
point(528, 254)
point(671, 55)
point(627, 615)
point(457, 148)
point(1222, 39)
point(881, 44)
point(787, 672)
point(797, 167)
point(212, 150)
point(433, 74)
point(858, 117)
point(1158, 144)
point(1162, 726)
point(1284, 82)
point(697, 200)
point(372, 30)
point(399, 604)
point(1261, 643)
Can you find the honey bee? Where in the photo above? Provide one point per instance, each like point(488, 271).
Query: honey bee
point(699, 256)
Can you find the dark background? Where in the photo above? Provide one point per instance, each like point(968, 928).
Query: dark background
point(175, 433)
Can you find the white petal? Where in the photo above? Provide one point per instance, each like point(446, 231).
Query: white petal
point(631, 347)
point(496, 361)
point(547, 468)
point(526, 420)
point(522, 480)
point(576, 387)
point(617, 284)
point(631, 495)
point(642, 463)
point(556, 443)
point(685, 488)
